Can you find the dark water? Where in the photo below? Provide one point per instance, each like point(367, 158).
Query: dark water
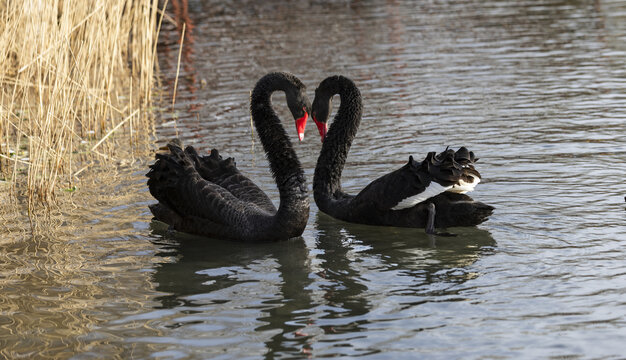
point(536, 88)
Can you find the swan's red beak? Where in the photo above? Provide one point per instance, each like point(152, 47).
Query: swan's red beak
point(322, 127)
point(301, 124)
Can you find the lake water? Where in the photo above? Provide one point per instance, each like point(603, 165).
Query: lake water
point(537, 89)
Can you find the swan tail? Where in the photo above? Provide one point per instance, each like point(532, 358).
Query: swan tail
point(167, 174)
point(175, 182)
point(165, 171)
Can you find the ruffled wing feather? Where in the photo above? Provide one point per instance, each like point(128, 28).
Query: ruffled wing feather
point(178, 186)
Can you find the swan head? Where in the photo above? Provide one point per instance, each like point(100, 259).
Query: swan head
point(300, 108)
point(322, 127)
point(322, 106)
point(349, 111)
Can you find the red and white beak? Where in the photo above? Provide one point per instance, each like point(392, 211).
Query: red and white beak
point(301, 124)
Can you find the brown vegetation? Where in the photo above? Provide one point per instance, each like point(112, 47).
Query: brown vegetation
point(74, 75)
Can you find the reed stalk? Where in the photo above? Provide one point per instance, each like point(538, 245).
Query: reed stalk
point(76, 80)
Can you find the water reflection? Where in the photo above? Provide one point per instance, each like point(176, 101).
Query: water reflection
point(342, 286)
point(536, 88)
point(423, 258)
point(176, 34)
point(307, 300)
point(269, 279)
point(373, 278)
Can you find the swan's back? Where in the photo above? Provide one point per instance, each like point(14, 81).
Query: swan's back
point(206, 195)
point(224, 172)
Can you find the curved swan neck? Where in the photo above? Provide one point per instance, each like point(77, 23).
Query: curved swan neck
point(282, 158)
point(327, 178)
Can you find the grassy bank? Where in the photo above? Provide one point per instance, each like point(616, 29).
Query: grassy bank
point(76, 80)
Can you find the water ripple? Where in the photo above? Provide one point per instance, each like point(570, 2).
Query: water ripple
point(536, 89)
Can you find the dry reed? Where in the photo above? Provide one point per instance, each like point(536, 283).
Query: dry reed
point(74, 76)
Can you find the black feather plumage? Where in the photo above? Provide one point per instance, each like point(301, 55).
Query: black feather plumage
point(394, 199)
point(207, 195)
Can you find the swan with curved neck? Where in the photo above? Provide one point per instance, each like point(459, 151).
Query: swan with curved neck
point(208, 196)
point(407, 197)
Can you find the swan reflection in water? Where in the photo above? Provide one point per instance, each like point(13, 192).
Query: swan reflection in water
point(244, 292)
point(283, 297)
point(379, 253)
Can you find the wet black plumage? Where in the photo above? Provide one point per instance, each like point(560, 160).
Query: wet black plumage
point(375, 204)
point(207, 195)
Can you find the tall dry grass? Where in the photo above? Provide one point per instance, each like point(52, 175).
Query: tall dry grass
point(76, 80)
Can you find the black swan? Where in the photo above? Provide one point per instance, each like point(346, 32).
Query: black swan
point(208, 196)
point(407, 197)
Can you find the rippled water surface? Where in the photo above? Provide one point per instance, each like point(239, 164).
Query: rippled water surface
point(536, 88)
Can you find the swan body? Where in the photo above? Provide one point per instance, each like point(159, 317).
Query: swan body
point(208, 195)
point(406, 197)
